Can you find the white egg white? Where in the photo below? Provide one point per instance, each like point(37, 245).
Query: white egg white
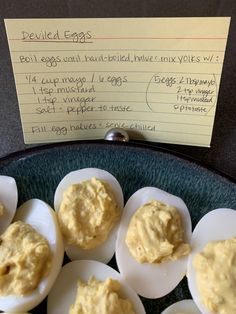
point(151, 280)
point(105, 251)
point(63, 293)
point(43, 219)
point(9, 199)
point(183, 307)
point(217, 225)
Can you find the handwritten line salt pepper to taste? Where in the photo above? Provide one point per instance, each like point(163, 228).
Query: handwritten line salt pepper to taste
point(77, 78)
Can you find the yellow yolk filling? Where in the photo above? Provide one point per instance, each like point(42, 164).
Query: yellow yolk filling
point(2, 209)
point(25, 258)
point(216, 276)
point(87, 213)
point(100, 297)
point(155, 234)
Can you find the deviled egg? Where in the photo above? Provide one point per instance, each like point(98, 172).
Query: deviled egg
point(89, 204)
point(62, 297)
point(182, 307)
point(155, 275)
point(37, 221)
point(8, 201)
point(212, 263)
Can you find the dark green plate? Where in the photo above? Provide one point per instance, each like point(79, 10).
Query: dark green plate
point(38, 172)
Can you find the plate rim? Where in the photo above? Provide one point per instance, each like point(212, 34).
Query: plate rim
point(34, 150)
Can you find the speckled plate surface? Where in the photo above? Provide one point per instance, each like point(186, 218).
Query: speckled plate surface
point(38, 172)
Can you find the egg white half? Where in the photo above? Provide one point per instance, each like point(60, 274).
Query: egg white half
point(151, 280)
point(9, 198)
point(63, 293)
point(218, 224)
point(183, 307)
point(43, 219)
point(105, 251)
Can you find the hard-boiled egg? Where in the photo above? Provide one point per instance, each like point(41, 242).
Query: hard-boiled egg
point(182, 307)
point(218, 224)
point(9, 199)
point(105, 251)
point(63, 293)
point(43, 219)
point(151, 280)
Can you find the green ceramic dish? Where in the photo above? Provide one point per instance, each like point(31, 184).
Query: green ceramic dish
point(38, 172)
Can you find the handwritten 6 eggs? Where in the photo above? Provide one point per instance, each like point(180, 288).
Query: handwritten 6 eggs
point(104, 251)
point(151, 280)
point(42, 218)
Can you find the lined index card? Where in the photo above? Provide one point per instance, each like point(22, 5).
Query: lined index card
point(157, 78)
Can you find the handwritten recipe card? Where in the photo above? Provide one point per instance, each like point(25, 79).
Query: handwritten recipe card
point(157, 78)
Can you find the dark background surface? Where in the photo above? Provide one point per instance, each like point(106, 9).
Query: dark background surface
point(221, 155)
